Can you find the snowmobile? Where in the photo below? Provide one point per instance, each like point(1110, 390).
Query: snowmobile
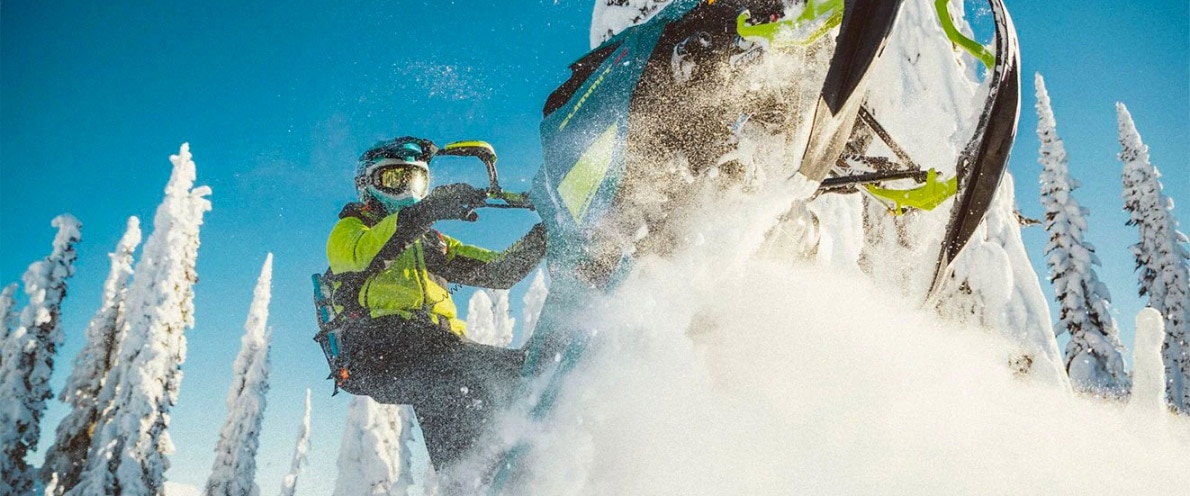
point(658, 93)
point(604, 128)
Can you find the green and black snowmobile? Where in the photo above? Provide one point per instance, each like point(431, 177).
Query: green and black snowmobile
point(668, 91)
point(653, 92)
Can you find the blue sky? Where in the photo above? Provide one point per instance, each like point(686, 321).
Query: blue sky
point(278, 100)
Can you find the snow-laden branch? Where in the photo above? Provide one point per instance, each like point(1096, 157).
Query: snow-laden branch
point(300, 453)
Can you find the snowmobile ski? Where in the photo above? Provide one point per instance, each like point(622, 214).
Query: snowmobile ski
point(865, 28)
point(983, 161)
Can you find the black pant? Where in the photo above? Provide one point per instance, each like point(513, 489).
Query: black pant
point(454, 385)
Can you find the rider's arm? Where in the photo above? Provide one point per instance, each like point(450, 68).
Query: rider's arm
point(353, 245)
point(479, 267)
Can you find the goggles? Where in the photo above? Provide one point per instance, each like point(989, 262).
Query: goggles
point(397, 179)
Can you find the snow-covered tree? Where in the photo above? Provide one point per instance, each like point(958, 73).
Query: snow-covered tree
point(300, 453)
point(7, 316)
point(64, 460)
point(488, 318)
point(481, 321)
point(533, 302)
point(993, 286)
point(503, 319)
point(1094, 355)
point(612, 16)
point(1148, 371)
point(29, 357)
point(234, 471)
point(374, 457)
point(1161, 257)
point(131, 441)
point(7, 304)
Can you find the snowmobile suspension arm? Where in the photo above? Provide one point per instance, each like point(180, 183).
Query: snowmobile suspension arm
point(868, 119)
point(837, 184)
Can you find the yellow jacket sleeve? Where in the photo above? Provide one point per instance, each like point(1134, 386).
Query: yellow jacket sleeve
point(352, 244)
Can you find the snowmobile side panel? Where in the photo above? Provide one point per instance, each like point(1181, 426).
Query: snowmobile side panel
point(985, 158)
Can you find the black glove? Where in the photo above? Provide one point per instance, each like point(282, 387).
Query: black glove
point(453, 201)
point(447, 202)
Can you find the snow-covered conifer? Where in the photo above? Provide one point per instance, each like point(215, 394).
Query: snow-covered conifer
point(488, 318)
point(131, 441)
point(502, 318)
point(1094, 355)
point(612, 16)
point(29, 357)
point(481, 321)
point(374, 457)
point(993, 285)
point(533, 302)
point(234, 471)
point(64, 460)
point(300, 453)
point(1161, 257)
point(1148, 371)
point(7, 316)
point(7, 303)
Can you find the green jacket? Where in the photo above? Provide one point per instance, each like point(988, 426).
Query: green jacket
point(407, 270)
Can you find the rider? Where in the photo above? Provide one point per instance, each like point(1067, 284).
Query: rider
point(402, 340)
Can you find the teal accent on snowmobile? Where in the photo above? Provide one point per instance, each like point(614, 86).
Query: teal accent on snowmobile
point(576, 187)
